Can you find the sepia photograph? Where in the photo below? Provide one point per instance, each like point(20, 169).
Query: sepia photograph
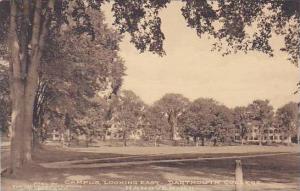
point(150, 95)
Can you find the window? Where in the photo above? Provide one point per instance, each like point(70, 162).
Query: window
point(271, 137)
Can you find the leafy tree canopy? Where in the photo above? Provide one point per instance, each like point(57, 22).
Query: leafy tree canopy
point(229, 21)
point(287, 117)
point(128, 110)
point(197, 120)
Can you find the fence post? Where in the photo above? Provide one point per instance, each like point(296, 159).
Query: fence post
point(239, 180)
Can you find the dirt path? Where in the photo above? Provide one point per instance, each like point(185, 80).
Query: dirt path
point(95, 164)
point(168, 150)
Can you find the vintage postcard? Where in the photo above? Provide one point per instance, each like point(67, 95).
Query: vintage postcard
point(150, 95)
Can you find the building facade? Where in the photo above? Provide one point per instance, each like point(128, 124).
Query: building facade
point(267, 135)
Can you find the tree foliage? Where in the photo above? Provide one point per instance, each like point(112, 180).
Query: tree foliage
point(77, 77)
point(242, 120)
point(247, 25)
point(80, 75)
point(128, 111)
point(238, 25)
point(261, 115)
point(196, 121)
point(287, 117)
point(223, 128)
point(171, 106)
point(206, 118)
point(156, 124)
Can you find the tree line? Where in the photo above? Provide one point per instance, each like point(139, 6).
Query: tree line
point(174, 117)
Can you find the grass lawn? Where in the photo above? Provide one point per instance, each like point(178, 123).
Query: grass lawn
point(53, 154)
point(280, 172)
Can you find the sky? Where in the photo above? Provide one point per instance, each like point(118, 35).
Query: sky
point(191, 69)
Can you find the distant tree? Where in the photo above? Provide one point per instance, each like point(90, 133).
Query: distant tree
point(172, 106)
point(287, 118)
point(261, 115)
point(155, 125)
point(128, 110)
point(222, 124)
point(241, 121)
point(196, 121)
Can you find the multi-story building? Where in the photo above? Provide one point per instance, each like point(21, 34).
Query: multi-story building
point(270, 134)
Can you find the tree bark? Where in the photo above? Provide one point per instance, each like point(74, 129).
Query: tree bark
point(24, 78)
point(16, 90)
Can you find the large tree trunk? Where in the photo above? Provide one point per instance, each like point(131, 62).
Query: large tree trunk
point(22, 115)
point(27, 82)
point(16, 148)
point(24, 66)
point(16, 91)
